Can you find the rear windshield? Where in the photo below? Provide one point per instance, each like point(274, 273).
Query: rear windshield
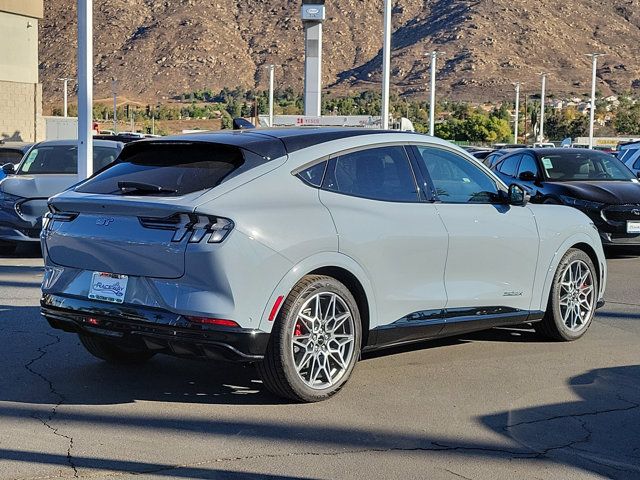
point(60, 159)
point(174, 168)
point(10, 156)
point(587, 165)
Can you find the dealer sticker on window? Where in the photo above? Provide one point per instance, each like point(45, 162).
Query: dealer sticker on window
point(548, 164)
point(108, 287)
point(633, 227)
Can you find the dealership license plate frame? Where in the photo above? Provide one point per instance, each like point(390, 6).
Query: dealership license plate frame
point(108, 287)
point(633, 226)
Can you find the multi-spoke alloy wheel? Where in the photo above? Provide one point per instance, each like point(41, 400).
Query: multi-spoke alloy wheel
point(323, 340)
point(573, 298)
point(577, 296)
point(315, 341)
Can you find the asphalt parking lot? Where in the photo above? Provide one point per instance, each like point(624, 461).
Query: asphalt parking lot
point(500, 404)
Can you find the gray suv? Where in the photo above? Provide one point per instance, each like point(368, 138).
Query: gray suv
point(299, 249)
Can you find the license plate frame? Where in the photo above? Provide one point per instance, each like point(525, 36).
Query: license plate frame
point(633, 226)
point(108, 287)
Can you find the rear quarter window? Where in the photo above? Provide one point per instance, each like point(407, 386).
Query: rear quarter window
point(179, 168)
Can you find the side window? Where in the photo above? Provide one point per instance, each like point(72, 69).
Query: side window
point(457, 180)
point(313, 175)
point(509, 165)
point(378, 174)
point(528, 164)
point(636, 165)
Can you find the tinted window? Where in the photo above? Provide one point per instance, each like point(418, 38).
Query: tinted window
point(177, 168)
point(313, 175)
point(456, 179)
point(584, 165)
point(379, 174)
point(61, 159)
point(492, 159)
point(509, 165)
point(528, 164)
point(10, 156)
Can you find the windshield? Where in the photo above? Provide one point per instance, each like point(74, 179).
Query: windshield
point(62, 159)
point(584, 166)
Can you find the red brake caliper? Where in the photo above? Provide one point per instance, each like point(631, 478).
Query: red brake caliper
point(298, 330)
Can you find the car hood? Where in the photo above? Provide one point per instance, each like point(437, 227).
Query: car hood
point(612, 193)
point(37, 186)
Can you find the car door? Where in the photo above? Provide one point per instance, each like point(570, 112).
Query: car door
point(508, 166)
point(396, 237)
point(493, 247)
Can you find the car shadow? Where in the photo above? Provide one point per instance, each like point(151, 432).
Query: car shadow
point(599, 431)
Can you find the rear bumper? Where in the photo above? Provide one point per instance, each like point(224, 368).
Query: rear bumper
point(155, 329)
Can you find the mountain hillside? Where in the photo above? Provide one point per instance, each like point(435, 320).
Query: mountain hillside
point(157, 49)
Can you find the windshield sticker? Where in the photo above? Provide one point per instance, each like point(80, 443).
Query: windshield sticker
point(548, 164)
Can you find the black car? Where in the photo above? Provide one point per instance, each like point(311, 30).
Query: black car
point(594, 182)
point(494, 157)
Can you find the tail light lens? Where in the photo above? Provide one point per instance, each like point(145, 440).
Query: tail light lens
point(194, 226)
point(54, 215)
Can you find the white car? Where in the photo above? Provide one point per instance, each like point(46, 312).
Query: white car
point(629, 154)
point(48, 168)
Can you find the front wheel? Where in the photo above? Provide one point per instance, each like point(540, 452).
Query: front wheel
point(573, 298)
point(315, 342)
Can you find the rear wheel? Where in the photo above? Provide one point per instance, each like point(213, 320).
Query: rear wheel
point(573, 298)
point(315, 342)
point(112, 353)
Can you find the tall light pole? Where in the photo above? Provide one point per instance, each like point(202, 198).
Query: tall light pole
point(432, 103)
point(114, 85)
point(517, 121)
point(594, 79)
point(85, 88)
point(543, 97)
point(65, 96)
point(272, 69)
point(386, 63)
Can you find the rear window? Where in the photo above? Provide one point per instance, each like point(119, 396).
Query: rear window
point(10, 156)
point(171, 168)
point(61, 159)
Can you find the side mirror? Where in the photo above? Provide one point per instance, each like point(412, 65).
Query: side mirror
point(518, 196)
point(9, 169)
point(527, 177)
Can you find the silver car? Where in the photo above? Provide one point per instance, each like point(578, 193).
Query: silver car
point(299, 249)
point(46, 169)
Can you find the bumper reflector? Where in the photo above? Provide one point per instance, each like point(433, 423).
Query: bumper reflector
point(213, 321)
point(275, 308)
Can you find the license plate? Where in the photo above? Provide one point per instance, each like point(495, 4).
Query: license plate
point(633, 227)
point(108, 287)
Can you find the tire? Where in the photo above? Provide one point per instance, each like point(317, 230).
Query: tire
point(309, 358)
point(112, 353)
point(8, 248)
point(561, 322)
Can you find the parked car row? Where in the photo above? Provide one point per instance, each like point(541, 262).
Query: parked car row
point(46, 168)
point(298, 249)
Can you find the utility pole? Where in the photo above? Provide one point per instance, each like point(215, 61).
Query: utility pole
point(432, 103)
point(543, 97)
point(386, 63)
point(85, 88)
point(65, 96)
point(526, 116)
point(272, 69)
point(517, 121)
point(594, 79)
point(114, 85)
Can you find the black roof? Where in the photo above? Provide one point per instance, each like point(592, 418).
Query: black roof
point(559, 151)
point(271, 142)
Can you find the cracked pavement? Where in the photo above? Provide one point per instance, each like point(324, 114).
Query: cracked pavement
point(494, 405)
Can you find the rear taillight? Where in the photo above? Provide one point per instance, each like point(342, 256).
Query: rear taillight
point(191, 225)
point(54, 215)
